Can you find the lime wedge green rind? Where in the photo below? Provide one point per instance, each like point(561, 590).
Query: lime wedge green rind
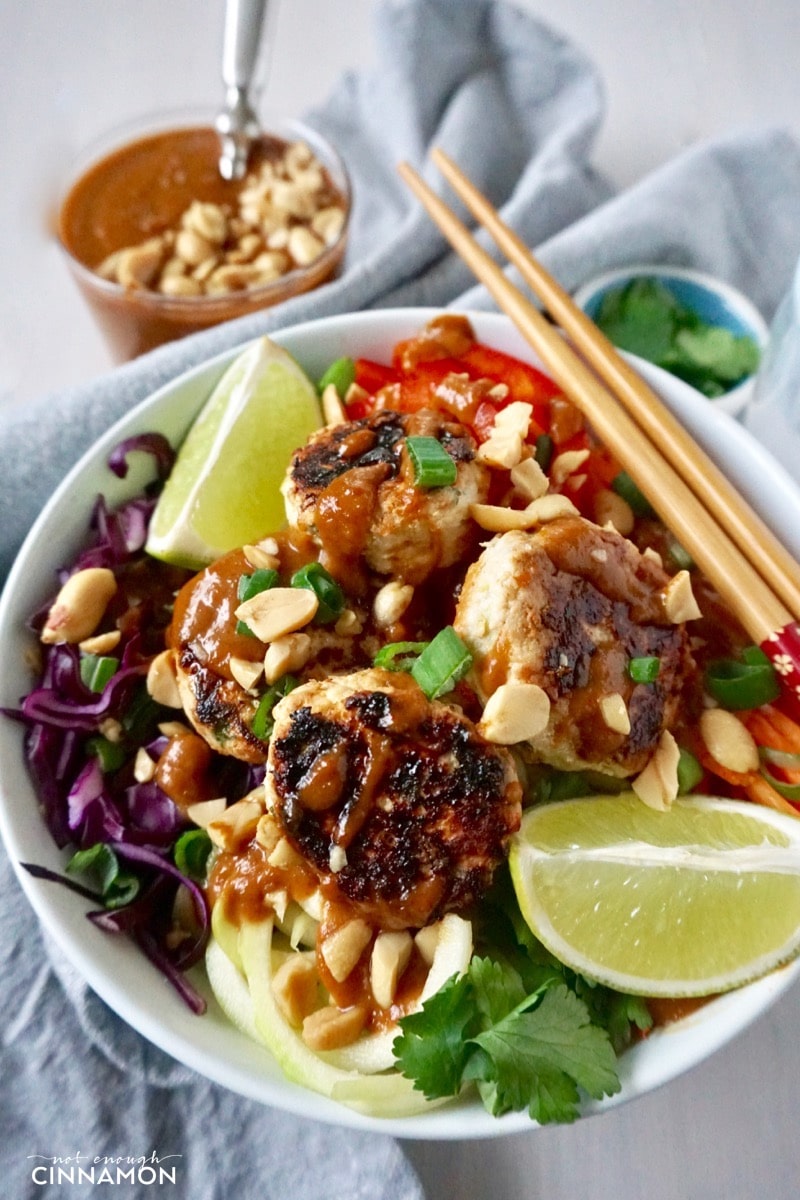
point(224, 490)
point(695, 901)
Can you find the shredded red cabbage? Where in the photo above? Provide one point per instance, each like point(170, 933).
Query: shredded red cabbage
point(150, 443)
point(89, 794)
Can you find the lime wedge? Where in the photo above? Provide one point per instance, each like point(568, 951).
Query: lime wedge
point(224, 490)
point(690, 902)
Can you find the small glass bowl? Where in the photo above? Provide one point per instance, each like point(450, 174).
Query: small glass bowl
point(135, 320)
point(713, 300)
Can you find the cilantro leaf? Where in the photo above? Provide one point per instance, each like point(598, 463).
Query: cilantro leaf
point(641, 317)
point(433, 1047)
point(646, 317)
point(540, 1058)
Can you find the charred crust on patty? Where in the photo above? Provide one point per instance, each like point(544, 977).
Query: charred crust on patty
point(441, 803)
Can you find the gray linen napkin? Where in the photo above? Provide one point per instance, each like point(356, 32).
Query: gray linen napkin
point(518, 107)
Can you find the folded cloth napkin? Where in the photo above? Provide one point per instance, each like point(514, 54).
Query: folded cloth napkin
point(518, 107)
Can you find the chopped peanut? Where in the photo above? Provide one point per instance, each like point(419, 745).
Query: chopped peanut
point(390, 955)
point(206, 811)
point(657, 785)
point(515, 713)
point(330, 1028)
point(288, 653)
point(679, 602)
point(609, 508)
point(246, 672)
point(236, 824)
point(101, 643)
point(426, 940)
point(278, 611)
point(390, 602)
point(261, 557)
point(342, 949)
point(728, 740)
point(79, 606)
point(162, 681)
point(529, 478)
point(566, 464)
point(332, 407)
point(614, 712)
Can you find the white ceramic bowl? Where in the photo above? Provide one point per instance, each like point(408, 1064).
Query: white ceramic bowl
point(712, 299)
point(114, 968)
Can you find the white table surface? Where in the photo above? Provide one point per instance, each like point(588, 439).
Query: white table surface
point(675, 71)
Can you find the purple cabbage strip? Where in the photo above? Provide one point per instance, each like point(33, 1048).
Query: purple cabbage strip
point(51, 707)
point(172, 972)
point(150, 443)
point(153, 812)
point(92, 815)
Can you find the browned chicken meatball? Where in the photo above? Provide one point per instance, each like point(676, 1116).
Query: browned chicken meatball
point(352, 488)
point(397, 802)
point(207, 645)
point(567, 608)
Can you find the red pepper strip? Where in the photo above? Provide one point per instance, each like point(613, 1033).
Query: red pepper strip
point(524, 382)
point(417, 386)
point(372, 376)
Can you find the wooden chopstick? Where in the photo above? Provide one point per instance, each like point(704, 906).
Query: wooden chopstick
point(770, 558)
point(760, 611)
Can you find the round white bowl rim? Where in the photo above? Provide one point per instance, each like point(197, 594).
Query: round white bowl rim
point(158, 1014)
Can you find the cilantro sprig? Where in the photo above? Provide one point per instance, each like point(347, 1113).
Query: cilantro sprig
point(646, 318)
point(533, 1052)
point(529, 1033)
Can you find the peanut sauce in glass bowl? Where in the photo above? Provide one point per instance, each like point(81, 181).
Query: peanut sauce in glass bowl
point(137, 188)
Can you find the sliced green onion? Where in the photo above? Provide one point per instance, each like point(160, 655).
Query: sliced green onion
point(191, 853)
point(97, 669)
point(100, 864)
point(263, 724)
point(262, 579)
point(110, 755)
point(789, 791)
point(399, 656)
point(624, 486)
point(681, 558)
point(746, 683)
point(442, 663)
point(689, 772)
point(330, 596)
point(644, 669)
point(433, 466)
point(781, 758)
point(544, 450)
point(342, 374)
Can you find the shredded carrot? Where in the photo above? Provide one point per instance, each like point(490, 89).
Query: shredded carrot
point(763, 793)
point(770, 727)
point(751, 783)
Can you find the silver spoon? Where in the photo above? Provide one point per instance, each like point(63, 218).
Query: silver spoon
point(236, 122)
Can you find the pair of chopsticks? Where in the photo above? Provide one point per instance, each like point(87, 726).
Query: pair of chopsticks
point(755, 575)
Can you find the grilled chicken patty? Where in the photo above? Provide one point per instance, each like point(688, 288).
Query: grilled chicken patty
point(352, 488)
point(395, 800)
point(567, 608)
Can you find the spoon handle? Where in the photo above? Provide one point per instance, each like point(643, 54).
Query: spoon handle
point(244, 20)
point(236, 124)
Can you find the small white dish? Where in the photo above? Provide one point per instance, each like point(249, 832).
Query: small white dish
point(712, 299)
point(113, 967)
